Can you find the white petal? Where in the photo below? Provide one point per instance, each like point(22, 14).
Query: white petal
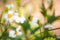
point(12, 34)
point(8, 6)
point(18, 28)
point(20, 33)
point(19, 19)
point(22, 20)
point(16, 19)
point(32, 23)
point(48, 26)
point(35, 19)
point(5, 17)
point(10, 12)
point(10, 20)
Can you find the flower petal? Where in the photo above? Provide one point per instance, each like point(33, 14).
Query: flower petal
point(18, 28)
point(12, 34)
point(20, 33)
point(48, 26)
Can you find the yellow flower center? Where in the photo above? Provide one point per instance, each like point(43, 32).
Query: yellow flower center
point(16, 33)
point(9, 15)
point(30, 18)
point(19, 14)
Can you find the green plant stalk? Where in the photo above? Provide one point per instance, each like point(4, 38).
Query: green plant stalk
point(4, 34)
point(51, 5)
point(1, 17)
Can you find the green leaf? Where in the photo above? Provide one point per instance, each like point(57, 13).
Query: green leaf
point(5, 10)
point(43, 10)
point(25, 26)
point(33, 31)
point(49, 38)
point(18, 38)
point(51, 19)
point(38, 38)
point(47, 33)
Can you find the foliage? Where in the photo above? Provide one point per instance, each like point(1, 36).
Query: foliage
point(43, 9)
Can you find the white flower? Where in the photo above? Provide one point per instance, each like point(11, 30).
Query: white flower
point(18, 28)
point(10, 5)
point(19, 18)
point(13, 33)
point(48, 26)
point(33, 20)
point(18, 32)
point(9, 16)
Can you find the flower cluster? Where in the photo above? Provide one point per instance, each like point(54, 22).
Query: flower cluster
point(17, 17)
point(13, 16)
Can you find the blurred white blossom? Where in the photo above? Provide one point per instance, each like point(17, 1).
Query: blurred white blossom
point(13, 33)
point(48, 26)
point(19, 18)
point(33, 20)
point(9, 16)
point(10, 5)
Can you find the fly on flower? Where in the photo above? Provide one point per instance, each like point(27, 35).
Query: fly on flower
point(9, 5)
point(9, 16)
point(33, 20)
point(15, 33)
point(19, 18)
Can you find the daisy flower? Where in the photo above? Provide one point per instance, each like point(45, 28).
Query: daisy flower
point(48, 26)
point(33, 20)
point(9, 16)
point(19, 18)
point(13, 33)
point(9, 5)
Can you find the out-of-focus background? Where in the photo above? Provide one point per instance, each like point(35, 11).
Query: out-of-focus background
point(33, 8)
